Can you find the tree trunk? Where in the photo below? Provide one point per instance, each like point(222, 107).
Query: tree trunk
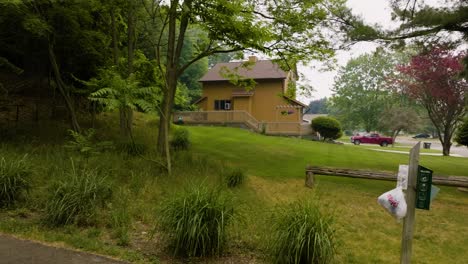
point(126, 120)
point(395, 135)
point(126, 113)
point(165, 117)
point(446, 144)
point(62, 89)
point(131, 38)
point(114, 37)
point(174, 51)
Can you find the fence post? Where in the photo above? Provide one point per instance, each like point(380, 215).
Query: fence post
point(408, 223)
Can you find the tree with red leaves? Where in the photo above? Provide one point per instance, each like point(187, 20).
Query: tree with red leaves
point(433, 80)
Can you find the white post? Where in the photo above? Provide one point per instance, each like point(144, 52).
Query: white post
point(408, 223)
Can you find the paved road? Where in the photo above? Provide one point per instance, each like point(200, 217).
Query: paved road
point(461, 151)
point(18, 251)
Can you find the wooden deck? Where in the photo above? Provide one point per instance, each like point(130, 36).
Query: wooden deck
point(243, 117)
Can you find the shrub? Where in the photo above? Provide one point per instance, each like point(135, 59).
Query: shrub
point(76, 199)
point(14, 180)
point(234, 177)
point(302, 235)
point(328, 127)
point(196, 221)
point(462, 133)
point(180, 139)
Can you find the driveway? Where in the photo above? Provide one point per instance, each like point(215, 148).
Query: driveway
point(18, 251)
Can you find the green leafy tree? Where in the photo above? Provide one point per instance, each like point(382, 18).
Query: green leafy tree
point(462, 133)
point(432, 80)
point(419, 21)
point(115, 92)
point(275, 28)
point(399, 118)
point(418, 18)
point(360, 92)
point(61, 39)
point(328, 127)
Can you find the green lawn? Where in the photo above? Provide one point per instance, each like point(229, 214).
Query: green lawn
point(369, 235)
point(283, 157)
point(275, 168)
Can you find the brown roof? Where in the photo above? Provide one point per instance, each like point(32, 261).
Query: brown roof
point(262, 69)
point(199, 100)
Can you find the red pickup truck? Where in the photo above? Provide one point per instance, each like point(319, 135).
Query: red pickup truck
point(372, 139)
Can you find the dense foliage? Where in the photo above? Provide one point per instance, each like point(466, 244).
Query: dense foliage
point(360, 90)
point(318, 106)
point(462, 133)
point(399, 118)
point(328, 127)
point(432, 79)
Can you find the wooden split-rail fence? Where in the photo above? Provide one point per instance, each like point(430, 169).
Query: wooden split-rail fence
point(455, 181)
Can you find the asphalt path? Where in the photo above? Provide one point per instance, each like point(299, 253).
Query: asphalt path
point(461, 151)
point(455, 151)
point(19, 251)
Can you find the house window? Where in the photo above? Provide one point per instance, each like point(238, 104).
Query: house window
point(222, 104)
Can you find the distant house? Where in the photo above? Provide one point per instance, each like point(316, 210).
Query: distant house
point(307, 118)
point(257, 100)
point(266, 101)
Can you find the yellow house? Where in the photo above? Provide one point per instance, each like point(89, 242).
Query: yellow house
point(266, 101)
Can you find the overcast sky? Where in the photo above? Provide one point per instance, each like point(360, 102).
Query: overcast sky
point(373, 11)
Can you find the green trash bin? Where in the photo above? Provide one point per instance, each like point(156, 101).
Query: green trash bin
point(427, 145)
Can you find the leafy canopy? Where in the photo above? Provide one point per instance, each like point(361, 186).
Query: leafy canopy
point(360, 92)
point(433, 79)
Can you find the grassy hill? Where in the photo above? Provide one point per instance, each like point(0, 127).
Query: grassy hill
point(369, 235)
point(283, 157)
point(275, 168)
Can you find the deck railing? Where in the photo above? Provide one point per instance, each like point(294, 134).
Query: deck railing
point(242, 117)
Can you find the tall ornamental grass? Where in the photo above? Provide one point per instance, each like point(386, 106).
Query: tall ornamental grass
point(180, 139)
point(302, 234)
point(15, 177)
point(234, 177)
point(196, 221)
point(76, 198)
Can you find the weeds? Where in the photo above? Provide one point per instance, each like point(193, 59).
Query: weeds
point(76, 199)
point(234, 177)
point(302, 234)
point(120, 218)
point(85, 144)
point(15, 177)
point(196, 221)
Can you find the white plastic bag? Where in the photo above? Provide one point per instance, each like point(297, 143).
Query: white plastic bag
point(395, 203)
